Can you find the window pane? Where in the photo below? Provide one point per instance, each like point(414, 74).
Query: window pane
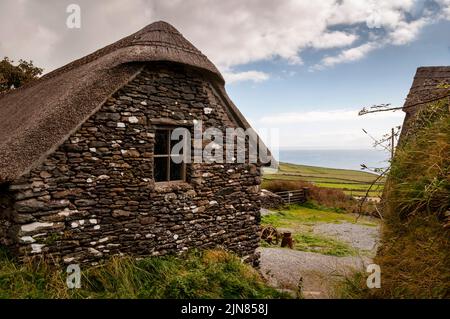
point(178, 145)
point(176, 170)
point(160, 169)
point(161, 142)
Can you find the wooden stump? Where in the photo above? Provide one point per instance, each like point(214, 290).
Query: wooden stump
point(286, 241)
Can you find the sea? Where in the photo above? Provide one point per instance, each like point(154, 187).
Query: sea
point(346, 159)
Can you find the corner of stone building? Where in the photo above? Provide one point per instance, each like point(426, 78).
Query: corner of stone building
point(7, 217)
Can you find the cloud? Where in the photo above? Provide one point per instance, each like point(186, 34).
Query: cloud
point(406, 32)
point(335, 39)
point(320, 117)
point(332, 129)
point(255, 76)
point(231, 33)
point(348, 55)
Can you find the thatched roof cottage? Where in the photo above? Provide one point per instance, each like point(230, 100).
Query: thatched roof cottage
point(86, 169)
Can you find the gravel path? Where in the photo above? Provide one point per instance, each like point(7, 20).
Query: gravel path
point(358, 236)
point(284, 268)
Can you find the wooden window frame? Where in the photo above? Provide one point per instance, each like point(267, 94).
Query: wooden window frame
point(168, 157)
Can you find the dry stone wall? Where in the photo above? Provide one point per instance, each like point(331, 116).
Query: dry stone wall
point(95, 195)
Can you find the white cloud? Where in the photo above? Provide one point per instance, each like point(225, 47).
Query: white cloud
point(255, 76)
point(348, 55)
point(230, 33)
point(335, 39)
point(445, 8)
point(320, 117)
point(407, 32)
point(333, 129)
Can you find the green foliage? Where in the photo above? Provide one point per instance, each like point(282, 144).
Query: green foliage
point(300, 218)
point(14, 76)
point(419, 180)
point(320, 244)
point(305, 214)
point(333, 198)
point(207, 274)
point(414, 260)
point(414, 255)
point(309, 214)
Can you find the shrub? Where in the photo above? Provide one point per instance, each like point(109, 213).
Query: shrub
point(325, 197)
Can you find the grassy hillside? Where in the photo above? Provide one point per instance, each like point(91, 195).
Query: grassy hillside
point(351, 182)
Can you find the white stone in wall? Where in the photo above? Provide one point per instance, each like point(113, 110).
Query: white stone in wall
point(74, 224)
point(36, 248)
point(103, 177)
point(93, 150)
point(102, 240)
point(67, 212)
point(93, 221)
point(143, 103)
point(27, 239)
point(207, 110)
point(34, 226)
point(95, 252)
point(133, 119)
point(97, 227)
point(121, 125)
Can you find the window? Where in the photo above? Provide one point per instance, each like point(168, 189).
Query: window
point(167, 166)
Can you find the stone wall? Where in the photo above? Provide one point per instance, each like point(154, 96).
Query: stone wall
point(6, 214)
point(270, 200)
point(95, 195)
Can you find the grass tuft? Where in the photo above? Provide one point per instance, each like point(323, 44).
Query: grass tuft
point(199, 275)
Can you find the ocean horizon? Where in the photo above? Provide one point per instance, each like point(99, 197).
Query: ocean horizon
point(343, 159)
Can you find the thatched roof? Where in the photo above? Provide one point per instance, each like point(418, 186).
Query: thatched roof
point(37, 118)
point(427, 86)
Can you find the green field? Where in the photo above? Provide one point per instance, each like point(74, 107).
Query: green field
point(351, 182)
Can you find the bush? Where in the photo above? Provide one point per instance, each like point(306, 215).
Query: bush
point(321, 196)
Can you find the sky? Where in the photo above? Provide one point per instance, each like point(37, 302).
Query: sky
point(298, 70)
